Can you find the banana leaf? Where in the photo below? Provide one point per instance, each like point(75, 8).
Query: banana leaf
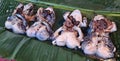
point(23, 48)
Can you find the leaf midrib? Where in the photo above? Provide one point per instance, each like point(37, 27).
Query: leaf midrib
point(65, 7)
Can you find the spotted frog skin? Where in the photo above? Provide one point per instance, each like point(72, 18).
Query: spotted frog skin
point(41, 29)
point(69, 28)
point(17, 23)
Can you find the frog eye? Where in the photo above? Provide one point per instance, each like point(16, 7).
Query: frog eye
point(37, 28)
point(48, 12)
point(9, 18)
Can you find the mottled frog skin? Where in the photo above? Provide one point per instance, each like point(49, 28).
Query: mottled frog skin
point(47, 15)
point(67, 38)
point(104, 50)
point(77, 15)
point(17, 23)
point(98, 43)
point(42, 28)
point(67, 34)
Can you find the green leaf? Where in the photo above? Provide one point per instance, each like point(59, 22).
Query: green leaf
point(23, 48)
